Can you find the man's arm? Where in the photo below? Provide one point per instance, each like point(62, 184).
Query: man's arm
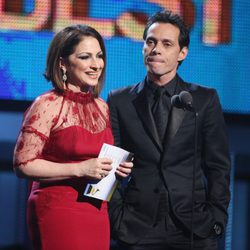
point(116, 203)
point(114, 120)
point(217, 160)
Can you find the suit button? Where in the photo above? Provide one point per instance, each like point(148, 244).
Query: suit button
point(156, 190)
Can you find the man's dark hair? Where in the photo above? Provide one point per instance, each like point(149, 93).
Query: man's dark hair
point(166, 16)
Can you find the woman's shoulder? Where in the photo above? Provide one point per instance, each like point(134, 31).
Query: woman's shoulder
point(49, 96)
point(49, 101)
point(100, 100)
point(101, 103)
point(103, 106)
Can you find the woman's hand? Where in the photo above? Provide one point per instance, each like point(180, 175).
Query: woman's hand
point(95, 168)
point(124, 169)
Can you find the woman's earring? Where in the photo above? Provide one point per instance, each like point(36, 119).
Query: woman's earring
point(64, 77)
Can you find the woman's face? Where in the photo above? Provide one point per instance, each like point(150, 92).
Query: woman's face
point(85, 65)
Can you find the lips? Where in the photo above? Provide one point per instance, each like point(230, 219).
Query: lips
point(93, 74)
point(154, 59)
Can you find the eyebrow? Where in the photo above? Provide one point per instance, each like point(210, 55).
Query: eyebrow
point(168, 40)
point(154, 39)
point(88, 53)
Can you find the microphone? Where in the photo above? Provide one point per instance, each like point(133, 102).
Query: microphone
point(183, 101)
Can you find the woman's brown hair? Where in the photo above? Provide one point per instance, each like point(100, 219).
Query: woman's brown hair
point(62, 46)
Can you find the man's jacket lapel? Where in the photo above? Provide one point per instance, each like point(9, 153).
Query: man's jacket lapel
point(144, 113)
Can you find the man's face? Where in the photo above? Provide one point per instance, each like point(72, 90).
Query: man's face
point(161, 51)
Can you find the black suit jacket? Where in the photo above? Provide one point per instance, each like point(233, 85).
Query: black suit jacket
point(133, 210)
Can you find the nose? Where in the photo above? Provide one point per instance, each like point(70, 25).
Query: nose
point(94, 64)
point(156, 49)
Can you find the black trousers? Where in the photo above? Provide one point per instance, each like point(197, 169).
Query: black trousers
point(168, 234)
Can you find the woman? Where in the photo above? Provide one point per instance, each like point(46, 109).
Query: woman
point(61, 136)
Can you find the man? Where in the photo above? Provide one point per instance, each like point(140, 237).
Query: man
point(178, 192)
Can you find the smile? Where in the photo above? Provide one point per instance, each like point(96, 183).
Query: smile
point(93, 75)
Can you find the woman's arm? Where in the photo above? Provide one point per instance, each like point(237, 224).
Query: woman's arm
point(43, 170)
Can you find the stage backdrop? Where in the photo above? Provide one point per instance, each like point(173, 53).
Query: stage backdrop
point(218, 55)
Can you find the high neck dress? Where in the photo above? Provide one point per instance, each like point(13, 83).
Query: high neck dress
point(64, 128)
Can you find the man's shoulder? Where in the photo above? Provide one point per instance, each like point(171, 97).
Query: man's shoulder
point(121, 91)
point(201, 94)
point(200, 89)
point(125, 91)
point(194, 88)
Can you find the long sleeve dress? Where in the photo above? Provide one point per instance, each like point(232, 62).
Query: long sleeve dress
point(64, 128)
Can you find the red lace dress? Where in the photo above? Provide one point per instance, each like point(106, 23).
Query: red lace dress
point(63, 128)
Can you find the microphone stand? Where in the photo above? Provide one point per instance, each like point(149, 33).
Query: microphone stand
point(184, 101)
point(193, 175)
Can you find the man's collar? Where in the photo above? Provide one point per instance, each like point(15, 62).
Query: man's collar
point(169, 86)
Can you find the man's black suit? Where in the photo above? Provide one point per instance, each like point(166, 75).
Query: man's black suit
point(133, 212)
